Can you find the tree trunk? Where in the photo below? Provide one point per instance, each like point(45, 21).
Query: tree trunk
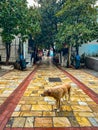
point(69, 56)
point(77, 49)
point(8, 52)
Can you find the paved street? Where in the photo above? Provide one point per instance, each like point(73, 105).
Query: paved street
point(22, 107)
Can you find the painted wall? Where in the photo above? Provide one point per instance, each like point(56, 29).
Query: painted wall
point(89, 48)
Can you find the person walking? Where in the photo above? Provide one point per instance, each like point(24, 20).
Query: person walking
point(64, 56)
point(22, 62)
point(51, 54)
point(77, 61)
point(32, 58)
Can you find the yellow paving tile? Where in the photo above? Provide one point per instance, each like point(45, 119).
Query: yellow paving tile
point(29, 122)
point(49, 113)
point(21, 102)
point(29, 102)
point(15, 114)
point(30, 113)
point(27, 94)
point(75, 98)
point(61, 122)
point(84, 114)
point(66, 108)
point(42, 102)
point(19, 122)
point(18, 107)
point(43, 122)
point(83, 121)
point(81, 108)
point(25, 107)
point(91, 103)
point(41, 107)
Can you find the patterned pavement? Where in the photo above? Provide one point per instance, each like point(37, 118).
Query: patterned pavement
point(22, 107)
point(89, 80)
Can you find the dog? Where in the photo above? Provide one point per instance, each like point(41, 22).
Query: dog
point(57, 93)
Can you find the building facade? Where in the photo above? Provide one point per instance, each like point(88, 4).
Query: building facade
point(14, 50)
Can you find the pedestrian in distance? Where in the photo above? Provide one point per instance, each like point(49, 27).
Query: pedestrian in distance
point(51, 54)
point(77, 61)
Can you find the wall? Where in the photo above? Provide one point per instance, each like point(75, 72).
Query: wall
point(90, 48)
point(92, 63)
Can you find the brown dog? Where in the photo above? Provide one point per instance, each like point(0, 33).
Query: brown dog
point(57, 93)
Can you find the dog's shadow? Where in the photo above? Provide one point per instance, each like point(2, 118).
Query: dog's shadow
point(64, 107)
point(62, 113)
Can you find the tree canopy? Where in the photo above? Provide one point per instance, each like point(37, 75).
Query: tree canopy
point(10, 13)
point(79, 19)
point(49, 21)
point(54, 22)
point(16, 18)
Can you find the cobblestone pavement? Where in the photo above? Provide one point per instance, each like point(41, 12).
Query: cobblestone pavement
point(23, 108)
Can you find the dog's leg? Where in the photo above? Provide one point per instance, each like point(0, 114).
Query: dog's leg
point(65, 96)
point(69, 94)
point(58, 105)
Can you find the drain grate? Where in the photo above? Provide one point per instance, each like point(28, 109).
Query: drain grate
point(55, 80)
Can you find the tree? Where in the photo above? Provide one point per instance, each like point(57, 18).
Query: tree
point(34, 29)
point(34, 19)
point(10, 17)
point(95, 27)
point(48, 23)
point(17, 19)
point(78, 23)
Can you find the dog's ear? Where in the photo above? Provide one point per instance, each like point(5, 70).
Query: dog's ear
point(49, 92)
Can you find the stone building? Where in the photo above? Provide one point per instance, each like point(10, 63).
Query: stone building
point(14, 50)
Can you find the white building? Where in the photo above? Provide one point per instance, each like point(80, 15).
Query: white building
point(14, 50)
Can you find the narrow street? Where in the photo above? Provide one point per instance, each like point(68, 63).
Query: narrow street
point(22, 107)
